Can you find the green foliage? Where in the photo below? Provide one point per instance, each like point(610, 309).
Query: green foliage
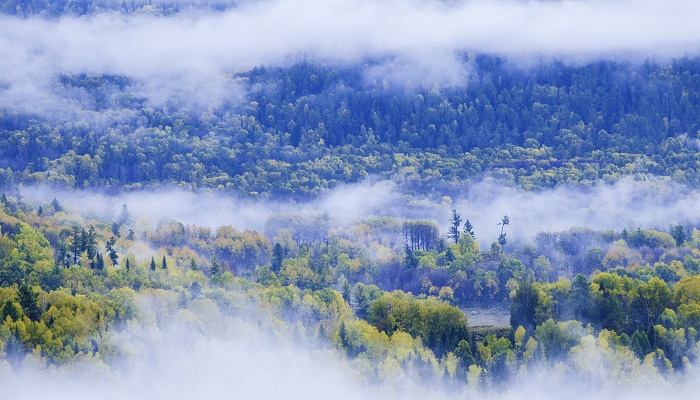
point(523, 309)
point(49, 309)
point(453, 232)
point(440, 325)
point(557, 338)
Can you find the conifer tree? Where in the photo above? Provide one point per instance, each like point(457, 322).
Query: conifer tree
point(29, 300)
point(453, 232)
point(109, 246)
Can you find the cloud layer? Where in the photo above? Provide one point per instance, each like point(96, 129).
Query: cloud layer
point(627, 204)
point(190, 55)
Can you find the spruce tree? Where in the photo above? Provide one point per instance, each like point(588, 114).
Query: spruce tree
point(29, 300)
point(453, 232)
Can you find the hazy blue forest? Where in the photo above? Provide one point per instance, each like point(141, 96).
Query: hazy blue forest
point(384, 216)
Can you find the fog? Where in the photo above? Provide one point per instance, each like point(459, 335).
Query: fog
point(190, 56)
point(183, 359)
point(231, 357)
point(651, 204)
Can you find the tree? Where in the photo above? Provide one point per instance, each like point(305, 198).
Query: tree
point(29, 300)
point(581, 296)
point(347, 294)
point(343, 335)
point(453, 231)
point(524, 305)
point(502, 239)
point(100, 262)
point(678, 234)
point(510, 268)
point(649, 300)
point(164, 263)
point(10, 309)
point(124, 216)
point(502, 236)
point(90, 242)
point(556, 338)
point(15, 350)
point(469, 229)
point(464, 352)
point(109, 246)
point(153, 264)
point(421, 235)
point(215, 269)
point(76, 245)
point(277, 258)
point(410, 259)
point(115, 229)
point(639, 343)
point(56, 205)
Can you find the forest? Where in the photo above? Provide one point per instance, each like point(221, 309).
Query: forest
point(383, 209)
point(389, 294)
point(310, 127)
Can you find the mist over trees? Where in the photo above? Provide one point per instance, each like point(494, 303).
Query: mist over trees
point(392, 290)
point(359, 288)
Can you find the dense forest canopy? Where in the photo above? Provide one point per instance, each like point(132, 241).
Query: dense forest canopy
point(351, 187)
point(312, 126)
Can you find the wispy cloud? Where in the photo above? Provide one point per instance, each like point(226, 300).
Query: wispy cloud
point(653, 203)
point(190, 55)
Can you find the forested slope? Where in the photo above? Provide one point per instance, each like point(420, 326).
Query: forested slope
point(71, 286)
point(88, 108)
point(311, 126)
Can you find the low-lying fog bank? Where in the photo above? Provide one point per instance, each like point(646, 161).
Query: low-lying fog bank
point(628, 203)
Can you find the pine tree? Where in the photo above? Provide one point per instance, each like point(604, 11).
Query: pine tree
point(453, 232)
point(469, 229)
point(56, 205)
point(9, 309)
point(215, 268)
point(29, 300)
point(109, 246)
point(343, 334)
point(277, 258)
point(90, 242)
point(164, 263)
point(124, 216)
point(678, 234)
point(502, 236)
point(153, 264)
point(76, 245)
point(115, 229)
point(99, 262)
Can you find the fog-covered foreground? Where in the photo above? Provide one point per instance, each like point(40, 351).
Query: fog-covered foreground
point(231, 358)
point(178, 348)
